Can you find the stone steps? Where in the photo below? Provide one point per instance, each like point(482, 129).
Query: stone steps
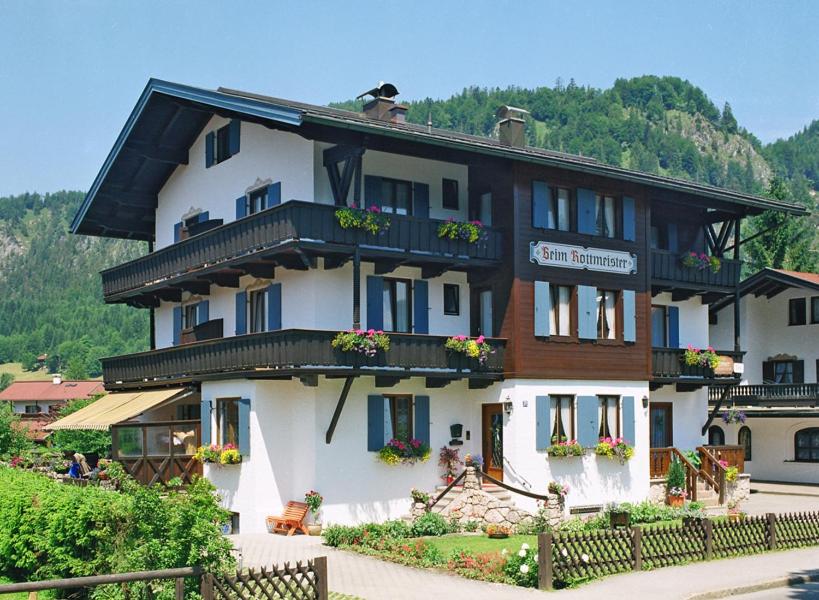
point(496, 491)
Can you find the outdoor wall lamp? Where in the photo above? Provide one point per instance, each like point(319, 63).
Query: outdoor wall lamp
point(507, 407)
point(645, 401)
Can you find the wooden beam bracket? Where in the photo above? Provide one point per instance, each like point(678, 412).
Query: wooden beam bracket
point(348, 382)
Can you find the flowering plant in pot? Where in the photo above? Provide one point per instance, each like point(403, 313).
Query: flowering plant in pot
point(733, 415)
point(694, 357)
point(619, 516)
point(734, 514)
point(614, 448)
point(371, 220)
point(561, 490)
point(477, 348)
point(367, 342)
point(675, 484)
point(420, 497)
point(470, 231)
point(731, 473)
point(449, 459)
point(562, 447)
point(313, 500)
point(701, 261)
point(498, 532)
point(397, 452)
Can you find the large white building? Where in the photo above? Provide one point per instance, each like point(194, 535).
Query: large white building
point(575, 280)
point(779, 391)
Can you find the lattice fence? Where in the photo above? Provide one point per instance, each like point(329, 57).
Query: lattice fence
point(567, 557)
point(299, 582)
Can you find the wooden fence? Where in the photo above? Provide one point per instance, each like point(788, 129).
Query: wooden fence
point(564, 558)
point(304, 581)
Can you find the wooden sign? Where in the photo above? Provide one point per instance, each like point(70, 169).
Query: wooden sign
point(725, 368)
point(549, 254)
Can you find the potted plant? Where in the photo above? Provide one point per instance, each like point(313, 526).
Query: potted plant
point(694, 357)
point(619, 515)
point(397, 452)
point(313, 500)
point(701, 261)
point(497, 532)
point(561, 490)
point(614, 448)
point(692, 516)
point(675, 484)
point(734, 514)
point(371, 220)
point(564, 448)
point(477, 348)
point(449, 459)
point(470, 231)
point(364, 342)
point(733, 415)
point(477, 463)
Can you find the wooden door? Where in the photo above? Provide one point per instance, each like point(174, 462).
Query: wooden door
point(661, 426)
point(493, 440)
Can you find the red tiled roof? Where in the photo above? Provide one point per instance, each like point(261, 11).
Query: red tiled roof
point(47, 391)
point(812, 278)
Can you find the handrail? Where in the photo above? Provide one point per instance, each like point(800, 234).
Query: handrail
point(447, 489)
point(514, 489)
point(690, 472)
point(79, 582)
point(713, 465)
point(526, 483)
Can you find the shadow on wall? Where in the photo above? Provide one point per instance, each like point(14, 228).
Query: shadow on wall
point(611, 480)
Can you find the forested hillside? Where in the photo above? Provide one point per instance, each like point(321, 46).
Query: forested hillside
point(52, 303)
point(52, 299)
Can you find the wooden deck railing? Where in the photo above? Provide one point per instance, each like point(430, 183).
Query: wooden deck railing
point(660, 461)
point(293, 222)
point(769, 393)
point(667, 363)
point(733, 455)
point(667, 267)
point(157, 452)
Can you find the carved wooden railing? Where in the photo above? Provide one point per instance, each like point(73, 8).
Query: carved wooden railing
point(660, 461)
point(667, 363)
point(667, 266)
point(734, 456)
point(751, 395)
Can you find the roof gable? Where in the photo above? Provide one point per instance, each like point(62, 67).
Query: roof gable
point(47, 391)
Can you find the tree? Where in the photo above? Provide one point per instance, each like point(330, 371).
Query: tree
point(85, 441)
point(6, 379)
point(77, 369)
point(13, 439)
point(728, 121)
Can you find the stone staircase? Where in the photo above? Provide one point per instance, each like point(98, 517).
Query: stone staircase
point(495, 490)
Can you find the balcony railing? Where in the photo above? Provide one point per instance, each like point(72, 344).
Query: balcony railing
point(306, 223)
point(296, 352)
point(667, 267)
point(769, 393)
point(667, 364)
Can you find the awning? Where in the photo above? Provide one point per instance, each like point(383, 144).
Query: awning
point(115, 408)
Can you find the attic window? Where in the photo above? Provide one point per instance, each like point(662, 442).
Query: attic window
point(223, 143)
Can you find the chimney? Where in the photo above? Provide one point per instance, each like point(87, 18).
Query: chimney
point(382, 107)
point(56, 379)
point(510, 126)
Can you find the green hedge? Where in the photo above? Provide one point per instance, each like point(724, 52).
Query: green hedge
point(51, 530)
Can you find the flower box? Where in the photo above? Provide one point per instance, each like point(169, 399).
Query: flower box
point(470, 231)
point(565, 448)
point(367, 342)
point(476, 348)
point(694, 357)
point(397, 452)
point(371, 220)
point(701, 261)
point(614, 448)
point(218, 455)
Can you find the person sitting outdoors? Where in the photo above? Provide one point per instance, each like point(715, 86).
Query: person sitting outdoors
point(79, 468)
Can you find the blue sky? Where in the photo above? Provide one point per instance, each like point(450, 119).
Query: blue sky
point(71, 71)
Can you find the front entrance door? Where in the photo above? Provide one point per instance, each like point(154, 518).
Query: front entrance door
point(661, 429)
point(493, 440)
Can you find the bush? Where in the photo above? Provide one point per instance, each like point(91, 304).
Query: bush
point(85, 441)
point(486, 566)
point(13, 439)
point(521, 566)
point(365, 535)
point(676, 476)
point(430, 524)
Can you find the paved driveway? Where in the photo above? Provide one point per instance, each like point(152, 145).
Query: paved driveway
point(781, 498)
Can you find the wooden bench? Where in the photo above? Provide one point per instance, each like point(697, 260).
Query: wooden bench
point(291, 519)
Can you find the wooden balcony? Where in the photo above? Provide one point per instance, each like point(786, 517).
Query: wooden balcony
point(292, 235)
point(300, 353)
point(770, 394)
point(157, 452)
point(668, 367)
point(668, 273)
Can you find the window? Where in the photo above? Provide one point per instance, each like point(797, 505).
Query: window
point(605, 216)
point(783, 371)
point(659, 326)
point(609, 417)
point(257, 201)
point(657, 238)
point(562, 413)
point(256, 307)
point(796, 311)
point(452, 299)
point(560, 312)
point(560, 210)
point(228, 421)
point(744, 438)
point(222, 144)
point(397, 305)
point(190, 318)
point(606, 315)
point(189, 412)
point(716, 436)
point(807, 445)
point(449, 198)
point(399, 418)
point(32, 409)
point(396, 196)
point(814, 310)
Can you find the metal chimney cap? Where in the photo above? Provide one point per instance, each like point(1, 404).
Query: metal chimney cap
point(510, 112)
point(382, 90)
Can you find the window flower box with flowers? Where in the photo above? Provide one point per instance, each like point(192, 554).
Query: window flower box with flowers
point(473, 348)
point(701, 261)
point(563, 448)
point(367, 342)
point(398, 452)
point(614, 448)
point(694, 357)
point(469, 231)
point(371, 220)
point(218, 455)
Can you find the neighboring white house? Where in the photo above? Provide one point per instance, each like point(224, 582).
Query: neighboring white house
point(575, 280)
point(779, 393)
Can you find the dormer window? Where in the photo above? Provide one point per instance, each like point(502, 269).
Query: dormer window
point(223, 143)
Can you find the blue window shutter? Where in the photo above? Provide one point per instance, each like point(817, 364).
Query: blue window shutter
point(671, 231)
point(422, 419)
point(274, 194)
point(274, 306)
point(673, 327)
point(587, 312)
point(542, 216)
point(177, 232)
point(629, 316)
point(375, 423)
point(629, 219)
point(210, 140)
point(204, 312)
point(234, 133)
point(244, 427)
point(543, 425)
point(585, 211)
point(420, 306)
point(658, 329)
point(587, 421)
point(543, 303)
point(629, 420)
point(203, 216)
point(241, 207)
point(375, 302)
point(241, 313)
point(420, 200)
point(205, 417)
point(177, 325)
point(372, 191)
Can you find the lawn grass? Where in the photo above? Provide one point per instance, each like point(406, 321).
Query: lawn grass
point(45, 595)
point(21, 374)
point(479, 544)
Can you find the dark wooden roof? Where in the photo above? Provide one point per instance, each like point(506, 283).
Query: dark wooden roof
point(770, 282)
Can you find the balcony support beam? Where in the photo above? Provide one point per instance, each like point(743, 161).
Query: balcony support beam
point(201, 288)
point(350, 157)
point(433, 271)
point(724, 396)
point(230, 280)
point(386, 266)
point(262, 270)
point(348, 382)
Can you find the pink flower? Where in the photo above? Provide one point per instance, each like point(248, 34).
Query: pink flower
point(370, 331)
point(375, 209)
point(359, 332)
point(480, 339)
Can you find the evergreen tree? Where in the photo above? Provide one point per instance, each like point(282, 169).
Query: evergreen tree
point(728, 121)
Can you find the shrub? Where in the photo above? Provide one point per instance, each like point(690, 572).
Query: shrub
point(345, 535)
point(487, 566)
point(85, 441)
point(675, 479)
point(471, 526)
point(13, 439)
point(521, 566)
point(430, 524)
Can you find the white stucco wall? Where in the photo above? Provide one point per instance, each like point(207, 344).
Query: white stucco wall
point(765, 332)
point(693, 320)
point(289, 455)
point(689, 412)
